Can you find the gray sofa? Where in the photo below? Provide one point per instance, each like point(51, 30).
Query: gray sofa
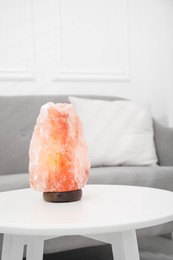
point(17, 119)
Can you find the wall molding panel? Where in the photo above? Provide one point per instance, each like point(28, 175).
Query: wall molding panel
point(91, 42)
point(17, 42)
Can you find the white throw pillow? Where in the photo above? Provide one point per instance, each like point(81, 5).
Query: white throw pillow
point(117, 132)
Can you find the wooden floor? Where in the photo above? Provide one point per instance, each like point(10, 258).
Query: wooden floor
point(103, 252)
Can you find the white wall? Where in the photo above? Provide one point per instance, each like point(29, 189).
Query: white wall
point(113, 47)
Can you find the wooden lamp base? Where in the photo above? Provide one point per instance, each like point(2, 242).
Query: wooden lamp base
point(67, 196)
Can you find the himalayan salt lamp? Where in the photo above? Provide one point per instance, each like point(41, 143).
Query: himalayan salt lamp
point(58, 155)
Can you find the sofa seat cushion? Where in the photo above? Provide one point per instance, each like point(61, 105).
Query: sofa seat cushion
point(14, 181)
point(155, 177)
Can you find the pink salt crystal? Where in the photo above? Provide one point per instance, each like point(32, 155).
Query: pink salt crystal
point(58, 155)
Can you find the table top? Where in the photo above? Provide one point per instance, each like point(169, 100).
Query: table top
point(102, 209)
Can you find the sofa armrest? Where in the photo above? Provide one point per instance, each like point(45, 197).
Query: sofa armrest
point(164, 144)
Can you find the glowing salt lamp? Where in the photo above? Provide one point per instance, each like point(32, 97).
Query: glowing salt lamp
point(58, 155)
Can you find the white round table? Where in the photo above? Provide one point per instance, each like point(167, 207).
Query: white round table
point(110, 213)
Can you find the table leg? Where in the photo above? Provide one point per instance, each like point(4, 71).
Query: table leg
point(34, 250)
point(124, 244)
point(13, 247)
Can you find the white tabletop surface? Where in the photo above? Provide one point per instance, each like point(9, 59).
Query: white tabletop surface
point(103, 208)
